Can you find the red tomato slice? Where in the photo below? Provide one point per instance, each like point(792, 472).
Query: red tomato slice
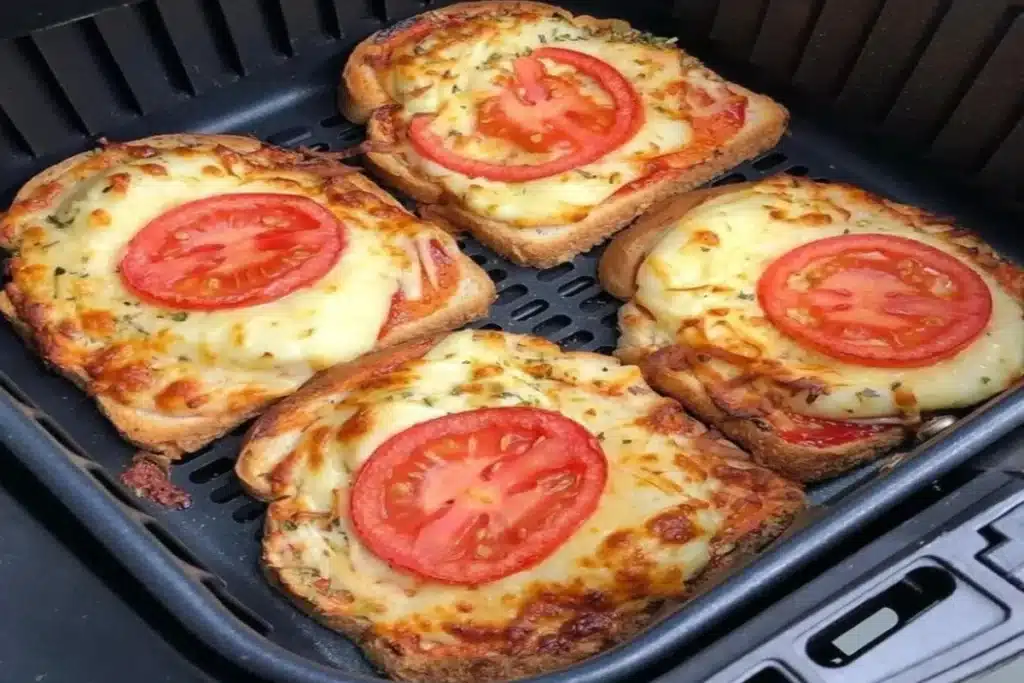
point(431, 298)
point(541, 113)
point(714, 120)
point(876, 300)
point(232, 250)
point(821, 433)
point(473, 497)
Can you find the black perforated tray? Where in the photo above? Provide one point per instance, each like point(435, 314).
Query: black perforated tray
point(202, 563)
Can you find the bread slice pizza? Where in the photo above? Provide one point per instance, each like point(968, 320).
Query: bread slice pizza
point(186, 281)
point(542, 132)
point(814, 323)
point(485, 507)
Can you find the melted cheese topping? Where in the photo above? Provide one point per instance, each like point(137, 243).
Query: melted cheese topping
point(673, 473)
point(707, 268)
point(70, 247)
point(297, 331)
point(452, 70)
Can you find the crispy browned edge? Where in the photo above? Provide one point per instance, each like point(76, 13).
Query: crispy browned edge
point(173, 436)
point(361, 95)
point(617, 273)
point(424, 668)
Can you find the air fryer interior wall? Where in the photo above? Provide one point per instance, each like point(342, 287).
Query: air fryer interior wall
point(270, 68)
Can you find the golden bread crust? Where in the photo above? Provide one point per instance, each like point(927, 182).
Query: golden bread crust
point(667, 366)
point(125, 379)
point(364, 99)
point(558, 624)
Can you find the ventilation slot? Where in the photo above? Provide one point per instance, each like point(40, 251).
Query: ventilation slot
point(328, 17)
point(142, 52)
point(552, 325)
point(554, 273)
point(597, 302)
point(510, 294)
point(479, 259)
point(228, 492)
point(32, 99)
point(243, 613)
point(497, 274)
point(798, 170)
point(195, 456)
point(530, 310)
point(211, 471)
point(576, 340)
point(249, 512)
point(577, 285)
point(176, 547)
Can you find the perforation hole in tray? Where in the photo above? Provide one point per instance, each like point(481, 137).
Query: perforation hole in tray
point(576, 340)
point(551, 325)
point(510, 294)
point(211, 470)
point(549, 274)
point(249, 512)
point(227, 492)
point(576, 285)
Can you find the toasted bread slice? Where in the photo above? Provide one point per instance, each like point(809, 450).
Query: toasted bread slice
point(680, 506)
point(545, 221)
point(170, 388)
point(703, 372)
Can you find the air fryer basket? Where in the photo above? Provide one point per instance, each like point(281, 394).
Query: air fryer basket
point(938, 80)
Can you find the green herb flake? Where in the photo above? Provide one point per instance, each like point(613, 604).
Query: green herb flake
point(867, 393)
point(986, 380)
point(179, 317)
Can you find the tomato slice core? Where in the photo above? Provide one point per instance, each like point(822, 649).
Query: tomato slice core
point(876, 300)
point(231, 251)
point(473, 497)
point(540, 113)
point(822, 433)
